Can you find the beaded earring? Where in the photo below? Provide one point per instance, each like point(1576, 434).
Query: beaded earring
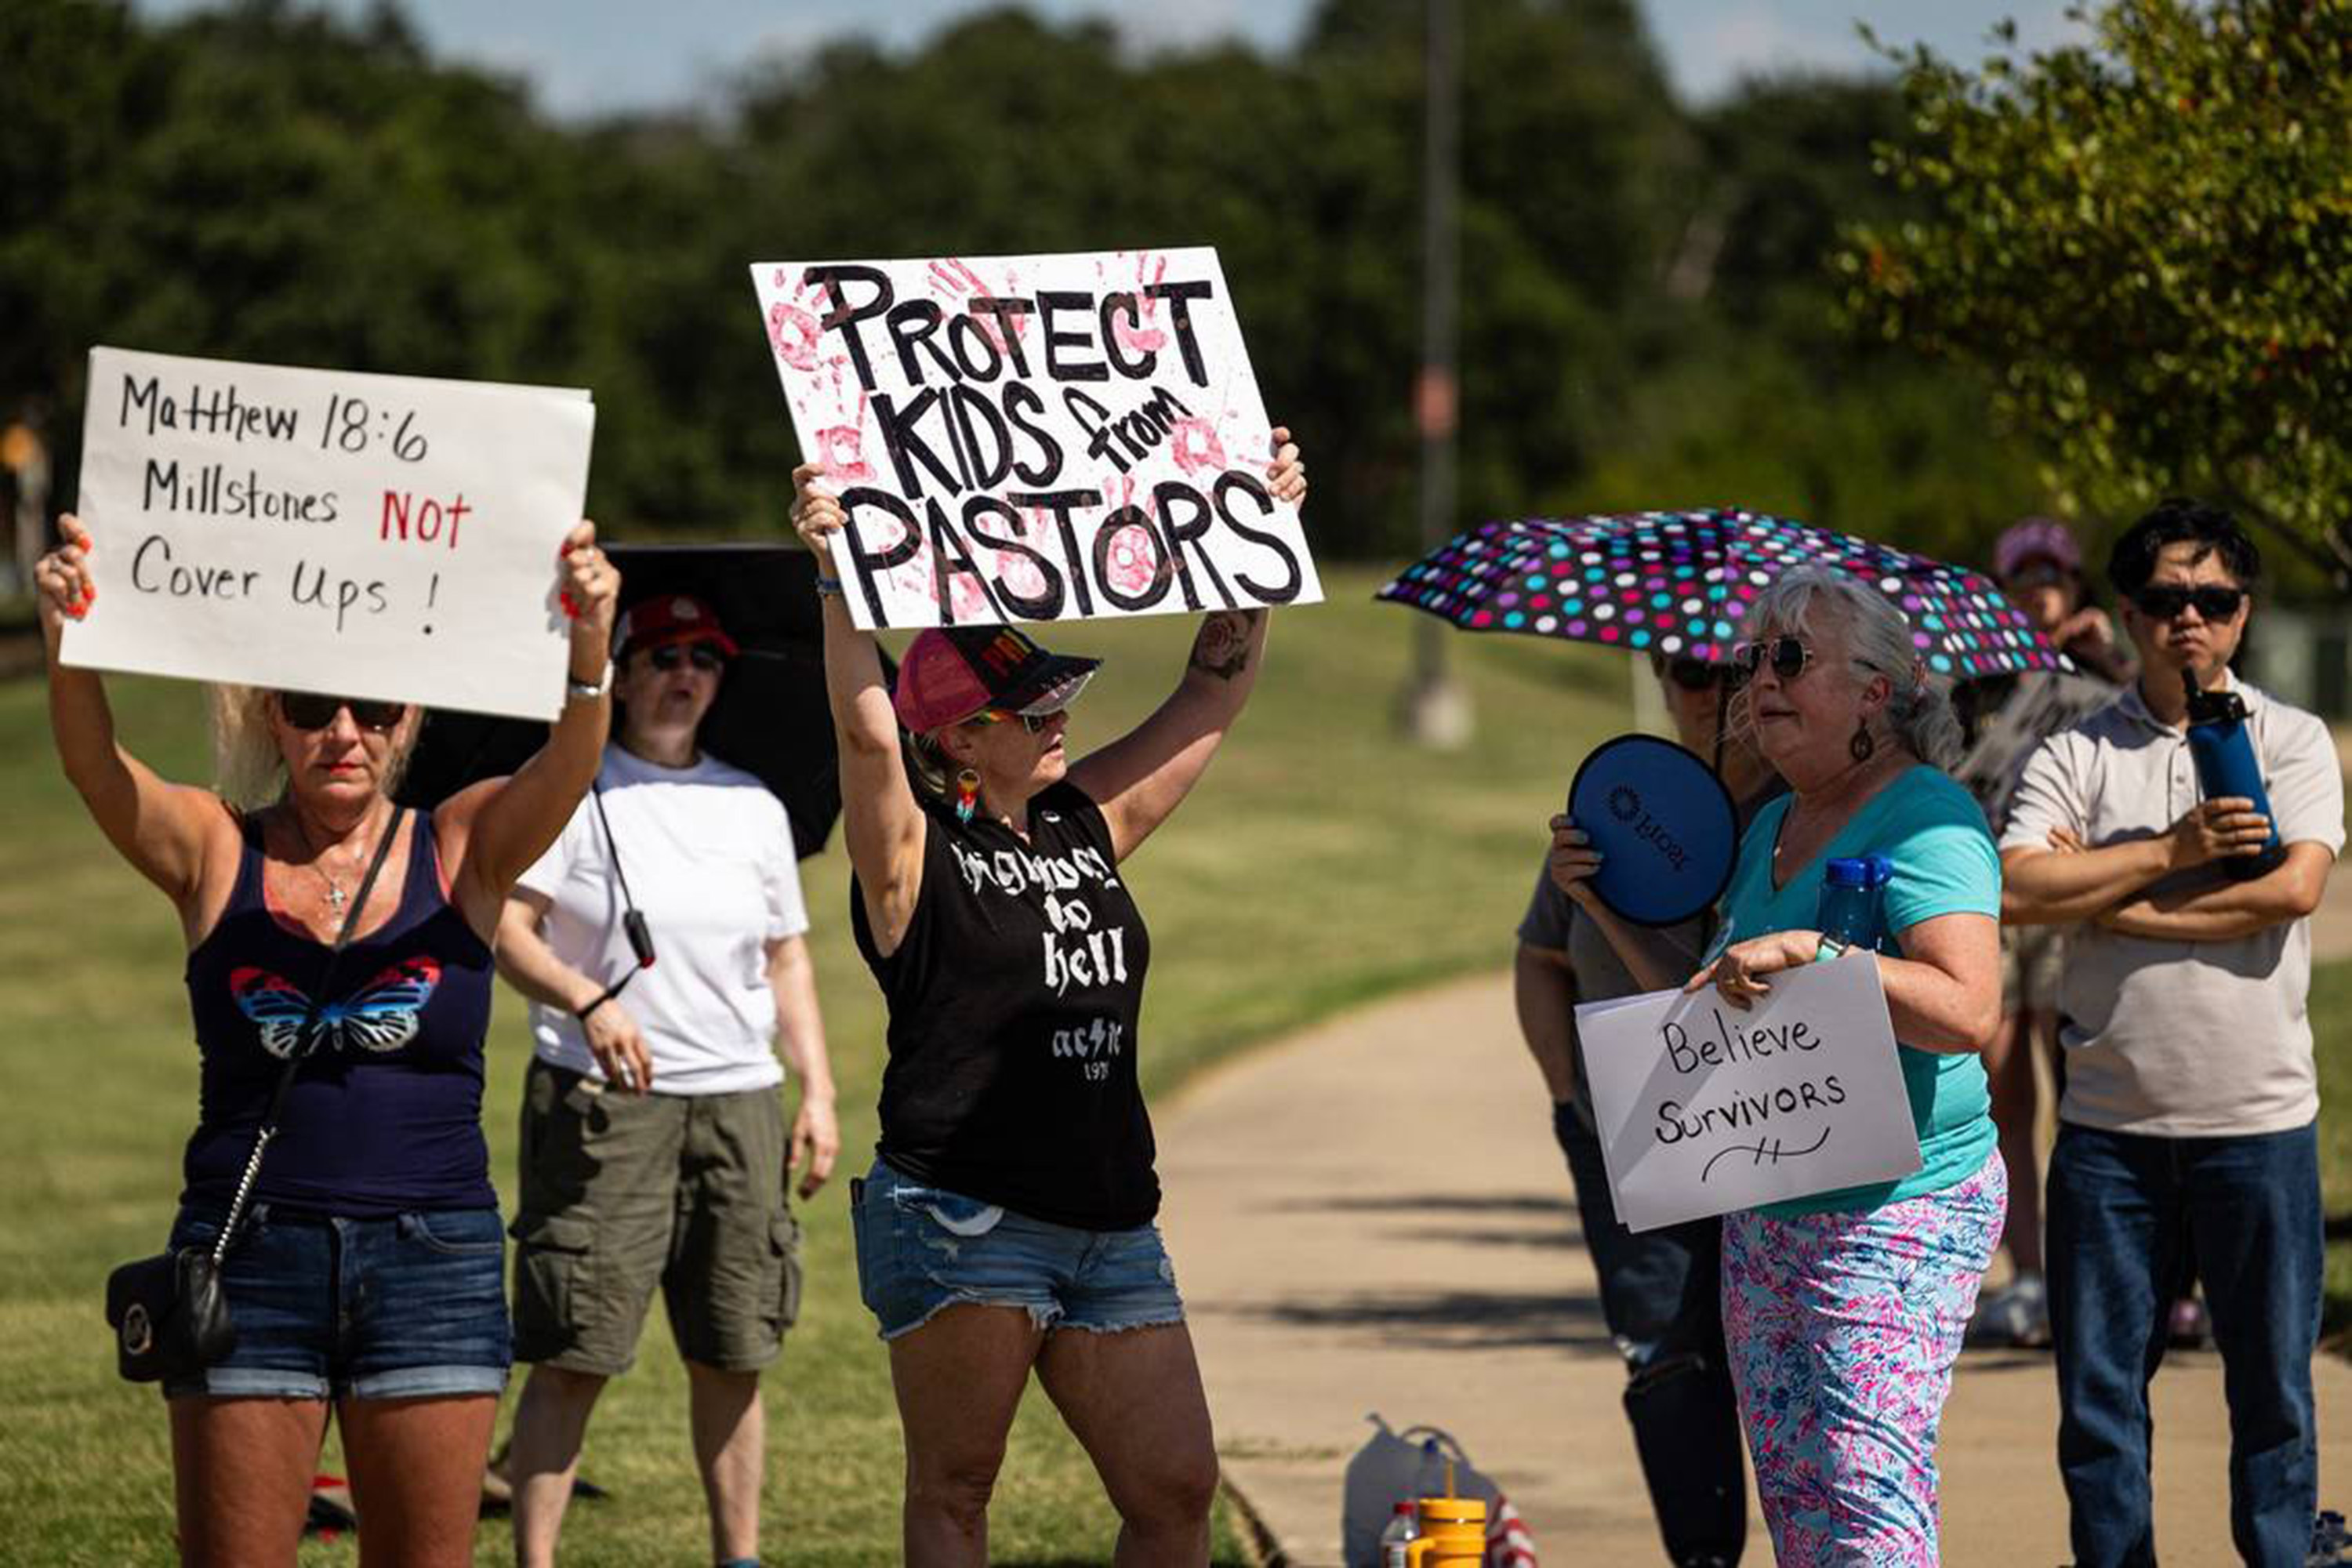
point(967, 795)
point(1863, 742)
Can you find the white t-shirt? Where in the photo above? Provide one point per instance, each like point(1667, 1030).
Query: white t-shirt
point(2178, 1038)
point(708, 854)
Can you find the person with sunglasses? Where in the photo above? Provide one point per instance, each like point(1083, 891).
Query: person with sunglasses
point(653, 1150)
point(2188, 1124)
point(365, 1279)
point(1843, 1312)
point(1659, 1288)
point(1006, 1224)
point(2040, 568)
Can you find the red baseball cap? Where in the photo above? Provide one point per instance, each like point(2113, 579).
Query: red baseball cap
point(668, 618)
point(951, 673)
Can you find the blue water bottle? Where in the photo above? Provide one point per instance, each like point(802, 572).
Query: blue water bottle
point(2224, 753)
point(1848, 913)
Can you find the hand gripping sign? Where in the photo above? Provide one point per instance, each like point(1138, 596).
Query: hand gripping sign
point(372, 536)
point(1034, 437)
point(1704, 1108)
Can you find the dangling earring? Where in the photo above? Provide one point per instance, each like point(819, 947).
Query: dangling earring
point(1863, 743)
point(967, 795)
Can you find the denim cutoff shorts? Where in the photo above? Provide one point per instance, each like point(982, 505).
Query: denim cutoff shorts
point(922, 1250)
point(406, 1307)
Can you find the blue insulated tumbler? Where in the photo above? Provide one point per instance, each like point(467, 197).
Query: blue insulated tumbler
point(2224, 754)
point(1848, 912)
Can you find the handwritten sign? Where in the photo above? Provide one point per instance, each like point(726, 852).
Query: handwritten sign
point(1704, 1109)
point(1034, 437)
point(329, 531)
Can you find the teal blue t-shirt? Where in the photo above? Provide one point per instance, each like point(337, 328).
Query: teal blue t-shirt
point(1945, 863)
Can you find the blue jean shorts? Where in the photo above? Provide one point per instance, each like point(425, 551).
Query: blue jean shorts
point(412, 1306)
point(922, 1250)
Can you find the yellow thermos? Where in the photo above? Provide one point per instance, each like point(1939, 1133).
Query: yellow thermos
point(1452, 1533)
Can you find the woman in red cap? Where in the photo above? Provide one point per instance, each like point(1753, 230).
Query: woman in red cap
point(655, 1150)
point(1006, 1224)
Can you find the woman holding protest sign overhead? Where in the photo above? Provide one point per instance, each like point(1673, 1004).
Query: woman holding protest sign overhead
point(1006, 1224)
point(1843, 1312)
point(331, 929)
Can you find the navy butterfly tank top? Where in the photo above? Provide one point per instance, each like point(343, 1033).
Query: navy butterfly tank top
point(386, 1114)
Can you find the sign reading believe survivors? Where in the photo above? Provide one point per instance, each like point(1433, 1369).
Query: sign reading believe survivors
point(1034, 437)
point(1704, 1108)
point(323, 531)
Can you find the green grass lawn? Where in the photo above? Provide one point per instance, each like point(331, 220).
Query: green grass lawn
point(1323, 863)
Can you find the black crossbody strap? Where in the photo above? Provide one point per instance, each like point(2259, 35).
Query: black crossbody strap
point(304, 1043)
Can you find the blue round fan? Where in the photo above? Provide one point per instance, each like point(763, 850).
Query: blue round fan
point(1665, 826)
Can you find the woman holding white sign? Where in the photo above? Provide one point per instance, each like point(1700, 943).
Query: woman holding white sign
point(366, 1268)
point(1006, 1224)
point(1843, 1312)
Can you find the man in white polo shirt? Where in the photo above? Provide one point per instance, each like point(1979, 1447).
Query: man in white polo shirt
point(2189, 1124)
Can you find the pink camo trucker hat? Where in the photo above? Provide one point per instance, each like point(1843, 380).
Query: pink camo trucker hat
point(951, 673)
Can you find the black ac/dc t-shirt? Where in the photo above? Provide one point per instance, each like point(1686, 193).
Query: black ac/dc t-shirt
point(1014, 1000)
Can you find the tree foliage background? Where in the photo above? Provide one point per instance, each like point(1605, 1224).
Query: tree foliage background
point(2146, 241)
point(1648, 318)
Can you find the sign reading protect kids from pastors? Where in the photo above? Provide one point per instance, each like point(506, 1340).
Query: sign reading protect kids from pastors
point(1704, 1108)
point(1034, 437)
point(330, 530)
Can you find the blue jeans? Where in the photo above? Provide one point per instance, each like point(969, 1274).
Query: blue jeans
point(1660, 1297)
point(409, 1306)
point(922, 1250)
point(2125, 1214)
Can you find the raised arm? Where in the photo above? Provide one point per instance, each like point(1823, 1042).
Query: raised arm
point(494, 829)
point(1574, 862)
point(1142, 776)
point(165, 830)
point(880, 822)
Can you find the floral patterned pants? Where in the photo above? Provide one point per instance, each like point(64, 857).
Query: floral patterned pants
point(1842, 1330)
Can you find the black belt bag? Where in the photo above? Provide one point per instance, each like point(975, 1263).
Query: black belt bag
point(169, 1312)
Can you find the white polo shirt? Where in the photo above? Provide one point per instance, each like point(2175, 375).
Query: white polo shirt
point(708, 854)
point(2176, 1038)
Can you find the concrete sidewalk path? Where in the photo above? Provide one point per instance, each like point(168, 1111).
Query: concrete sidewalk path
point(1372, 1216)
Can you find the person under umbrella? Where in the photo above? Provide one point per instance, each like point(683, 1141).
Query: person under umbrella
point(1659, 1288)
point(661, 943)
point(1843, 1312)
point(2040, 568)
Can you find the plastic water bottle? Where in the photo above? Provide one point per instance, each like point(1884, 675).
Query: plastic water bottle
point(2226, 766)
point(1848, 912)
point(1397, 1537)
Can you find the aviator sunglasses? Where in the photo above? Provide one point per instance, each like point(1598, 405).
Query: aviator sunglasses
point(2213, 602)
point(701, 655)
point(309, 711)
point(1788, 657)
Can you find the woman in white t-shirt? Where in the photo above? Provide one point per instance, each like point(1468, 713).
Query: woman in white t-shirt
point(653, 1150)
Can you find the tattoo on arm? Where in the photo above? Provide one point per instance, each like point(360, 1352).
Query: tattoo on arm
point(1223, 648)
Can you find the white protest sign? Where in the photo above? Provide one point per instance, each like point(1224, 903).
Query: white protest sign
point(1704, 1109)
point(330, 530)
point(1034, 437)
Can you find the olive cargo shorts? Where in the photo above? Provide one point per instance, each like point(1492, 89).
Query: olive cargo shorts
point(623, 1192)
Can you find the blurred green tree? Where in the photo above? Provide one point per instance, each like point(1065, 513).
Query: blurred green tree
point(2146, 241)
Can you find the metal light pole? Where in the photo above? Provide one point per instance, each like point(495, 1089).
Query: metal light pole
point(1436, 708)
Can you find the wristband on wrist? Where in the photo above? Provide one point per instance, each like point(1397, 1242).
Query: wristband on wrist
point(828, 587)
point(601, 997)
point(1829, 948)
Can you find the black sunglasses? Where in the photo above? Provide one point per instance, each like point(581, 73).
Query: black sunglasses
point(2213, 602)
point(1032, 723)
point(1787, 654)
point(309, 711)
point(702, 655)
point(1691, 674)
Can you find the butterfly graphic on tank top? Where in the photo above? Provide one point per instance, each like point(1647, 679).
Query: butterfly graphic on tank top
point(381, 1016)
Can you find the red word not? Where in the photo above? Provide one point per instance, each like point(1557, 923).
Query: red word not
point(422, 518)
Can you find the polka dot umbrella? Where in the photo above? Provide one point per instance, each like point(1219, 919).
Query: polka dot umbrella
point(1679, 582)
